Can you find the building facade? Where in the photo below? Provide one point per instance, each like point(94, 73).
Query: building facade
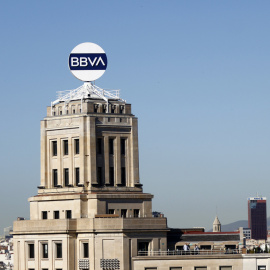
point(90, 211)
point(257, 219)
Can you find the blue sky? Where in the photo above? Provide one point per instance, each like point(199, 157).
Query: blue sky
point(196, 73)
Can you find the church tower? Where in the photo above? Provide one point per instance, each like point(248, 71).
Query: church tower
point(90, 211)
point(216, 225)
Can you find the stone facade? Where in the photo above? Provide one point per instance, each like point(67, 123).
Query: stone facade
point(90, 211)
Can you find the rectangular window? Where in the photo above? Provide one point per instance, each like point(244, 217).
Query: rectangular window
point(56, 215)
point(77, 146)
point(66, 177)
point(31, 251)
point(85, 250)
point(44, 215)
point(77, 176)
point(45, 253)
point(99, 146)
point(200, 268)
point(123, 176)
point(113, 109)
point(123, 213)
point(68, 214)
point(111, 211)
point(99, 175)
point(121, 109)
point(65, 146)
point(260, 267)
point(111, 176)
point(123, 146)
point(111, 150)
point(58, 250)
point(54, 148)
point(175, 268)
point(55, 180)
point(136, 213)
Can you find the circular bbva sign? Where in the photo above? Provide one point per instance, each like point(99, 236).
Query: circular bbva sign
point(87, 61)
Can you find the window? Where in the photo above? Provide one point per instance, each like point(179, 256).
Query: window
point(143, 247)
point(124, 213)
point(104, 108)
point(54, 148)
point(66, 177)
point(99, 146)
point(58, 247)
point(77, 146)
point(77, 176)
point(150, 268)
point(123, 146)
point(260, 267)
point(31, 251)
point(68, 214)
point(56, 214)
point(123, 176)
point(226, 268)
point(99, 175)
point(136, 212)
point(55, 180)
point(60, 112)
point(200, 268)
point(111, 150)
point(96, 108)
point(113, 109)
point(85, 250)
point(111, 211)
point(111, 176)
point(65, 146)
point(44, 215)
point(121, 109)
point(45, 252)
point(175, 268)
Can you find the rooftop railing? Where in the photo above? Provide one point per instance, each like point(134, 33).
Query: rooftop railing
point(188, 252)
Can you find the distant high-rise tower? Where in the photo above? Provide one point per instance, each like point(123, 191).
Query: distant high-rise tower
point(257, 217)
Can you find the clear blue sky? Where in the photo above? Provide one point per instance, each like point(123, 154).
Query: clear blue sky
point(196, 73)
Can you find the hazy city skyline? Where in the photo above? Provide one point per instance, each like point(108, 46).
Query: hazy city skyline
point(198, 70)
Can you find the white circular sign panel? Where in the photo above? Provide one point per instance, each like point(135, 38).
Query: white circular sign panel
point(87, 62)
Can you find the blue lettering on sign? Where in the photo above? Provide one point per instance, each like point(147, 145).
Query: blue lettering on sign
point(87, 61)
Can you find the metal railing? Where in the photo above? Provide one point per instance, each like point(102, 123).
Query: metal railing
point(188, 252)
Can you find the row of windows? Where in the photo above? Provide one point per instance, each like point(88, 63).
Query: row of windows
point(45, 251)
point(66, 177)
point(136, 212)
point(65, 147)
point(56, 214)
point(58, 250)
point(112, 108)
point(100, 176)
point(97, 108)
point(111, 146)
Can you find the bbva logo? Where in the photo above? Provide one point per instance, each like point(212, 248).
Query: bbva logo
point(88, 61)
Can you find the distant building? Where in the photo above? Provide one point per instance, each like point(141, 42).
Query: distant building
point(247, 233)
point(216, 225)
point(257, 217)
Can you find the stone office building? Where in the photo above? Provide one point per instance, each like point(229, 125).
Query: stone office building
point(90, 211)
